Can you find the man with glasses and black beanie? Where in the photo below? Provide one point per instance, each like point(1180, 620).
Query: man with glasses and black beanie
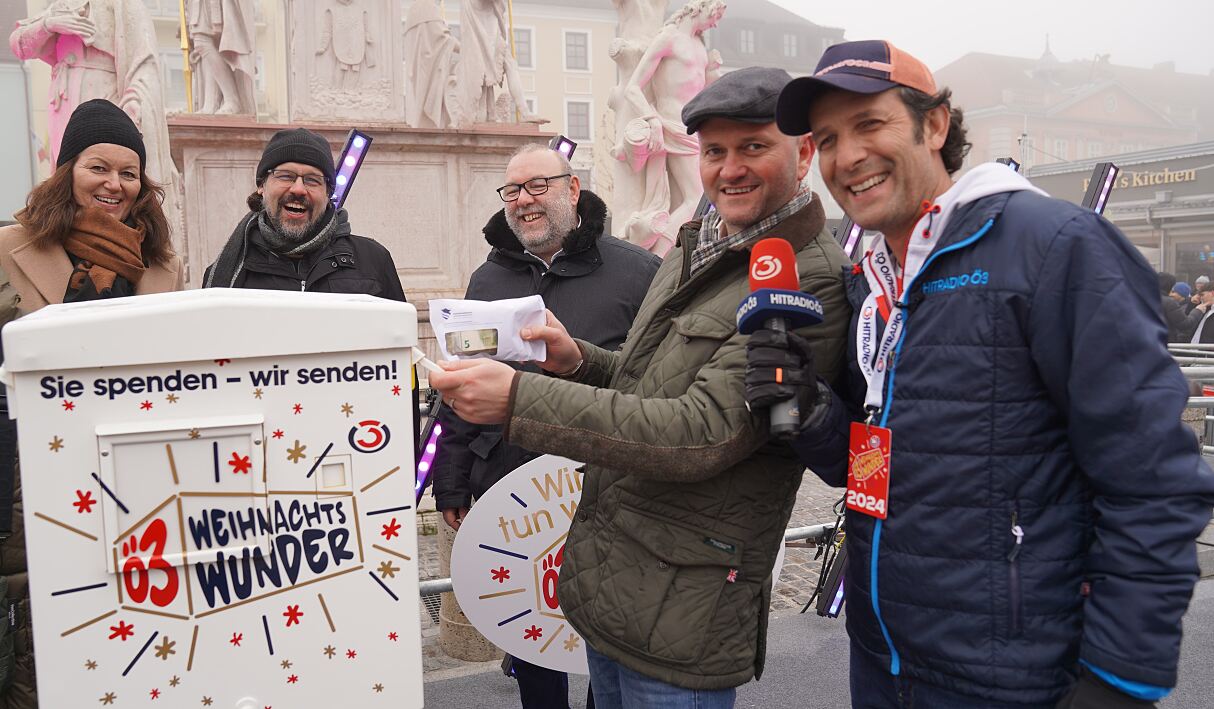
point(549, 239)
point(293, 239)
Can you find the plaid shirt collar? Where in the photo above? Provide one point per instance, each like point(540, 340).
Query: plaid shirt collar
point(710, 244)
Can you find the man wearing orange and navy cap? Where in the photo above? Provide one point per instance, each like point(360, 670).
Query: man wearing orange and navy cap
point(1023, 498)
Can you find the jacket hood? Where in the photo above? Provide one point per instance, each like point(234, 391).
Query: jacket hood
point(590, 209)
point(983, 181)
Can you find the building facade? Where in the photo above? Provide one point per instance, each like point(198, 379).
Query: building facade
point(1163, 200)
point(1042, 111)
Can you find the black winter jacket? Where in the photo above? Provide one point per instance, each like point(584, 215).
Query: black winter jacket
point(1038, 399)
point(1174, 318)
point(1189, 326)
point(594, 287)
point(349, 264)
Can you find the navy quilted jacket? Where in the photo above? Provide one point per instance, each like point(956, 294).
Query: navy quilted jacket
point(1038, 394)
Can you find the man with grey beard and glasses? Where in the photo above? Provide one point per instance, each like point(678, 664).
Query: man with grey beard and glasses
point(549, 239)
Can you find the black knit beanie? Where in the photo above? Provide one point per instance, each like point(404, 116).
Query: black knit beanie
point(99, 121)
point(298, 145)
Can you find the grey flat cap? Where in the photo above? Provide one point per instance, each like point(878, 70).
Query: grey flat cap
point(747, 95)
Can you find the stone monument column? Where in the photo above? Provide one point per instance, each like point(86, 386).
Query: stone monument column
point(345, 61)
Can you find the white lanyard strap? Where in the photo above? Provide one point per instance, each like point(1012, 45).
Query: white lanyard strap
point(886, 296)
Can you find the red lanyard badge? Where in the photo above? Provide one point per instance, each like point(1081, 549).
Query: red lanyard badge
point(868, 470)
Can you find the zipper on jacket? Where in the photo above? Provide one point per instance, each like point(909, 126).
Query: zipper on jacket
point(1013, 572)
point(303, 285)
point(895, 660)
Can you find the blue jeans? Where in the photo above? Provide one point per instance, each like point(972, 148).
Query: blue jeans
point(617, 687)
point(873, 687)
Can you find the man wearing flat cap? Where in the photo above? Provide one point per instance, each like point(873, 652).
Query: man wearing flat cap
point(667, 566)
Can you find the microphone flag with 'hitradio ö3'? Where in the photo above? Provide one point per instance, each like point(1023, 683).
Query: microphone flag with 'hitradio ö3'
point(777, 303)
point(775, 290)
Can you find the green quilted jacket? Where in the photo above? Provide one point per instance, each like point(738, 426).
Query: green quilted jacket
point(667, 567)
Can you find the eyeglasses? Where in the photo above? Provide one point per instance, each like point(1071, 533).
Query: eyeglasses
point(287, 177)
point(535, 187)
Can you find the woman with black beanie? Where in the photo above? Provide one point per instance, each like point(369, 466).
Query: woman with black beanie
point(94, 229)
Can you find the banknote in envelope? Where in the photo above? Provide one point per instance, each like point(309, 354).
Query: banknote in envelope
point(470, 342)
point(468, 329)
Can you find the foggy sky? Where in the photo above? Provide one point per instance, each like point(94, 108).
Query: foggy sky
point(1136, 33)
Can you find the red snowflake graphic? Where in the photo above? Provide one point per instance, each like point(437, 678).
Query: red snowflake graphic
point(222, 362)
point(68, 406)
point(292, 679)
point(292, 615)
point(350, 654)
point(396, 391)
point(392, 637)
point(733, 576)
point(236, 638)
point(392, 529)
point(122, 631)
point(501, 574)
point(155, 693)
point(84, 501)
point(277, 433)
point(240, 464)
point(146, 406)
point(298, 408)
point(533, 633)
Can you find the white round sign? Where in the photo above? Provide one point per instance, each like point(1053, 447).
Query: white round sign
point(506, 559)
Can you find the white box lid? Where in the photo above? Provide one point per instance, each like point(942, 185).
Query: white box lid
point(213, 323)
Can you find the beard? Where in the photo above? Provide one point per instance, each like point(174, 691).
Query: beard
point(292, 231)
point(561, 219)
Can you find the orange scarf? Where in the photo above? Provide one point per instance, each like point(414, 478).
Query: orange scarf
point(107, 247)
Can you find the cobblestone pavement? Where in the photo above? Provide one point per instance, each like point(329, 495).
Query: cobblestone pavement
point(815, 502)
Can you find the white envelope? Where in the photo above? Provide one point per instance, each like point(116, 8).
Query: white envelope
point(471, 329)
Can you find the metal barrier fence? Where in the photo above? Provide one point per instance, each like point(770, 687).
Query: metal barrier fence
point(816, 534)
point(1197, 364)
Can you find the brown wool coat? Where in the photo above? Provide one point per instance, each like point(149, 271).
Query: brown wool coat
point(30, 279)
point(40, 274)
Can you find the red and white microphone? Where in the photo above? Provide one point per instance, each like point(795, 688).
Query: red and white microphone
point(777, 303)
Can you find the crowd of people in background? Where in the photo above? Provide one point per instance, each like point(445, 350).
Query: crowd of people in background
point(1186, 309)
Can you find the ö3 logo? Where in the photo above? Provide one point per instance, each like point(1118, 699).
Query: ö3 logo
point(376, 436)
point(765, 268)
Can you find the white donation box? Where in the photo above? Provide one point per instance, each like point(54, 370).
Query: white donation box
point(219, 500)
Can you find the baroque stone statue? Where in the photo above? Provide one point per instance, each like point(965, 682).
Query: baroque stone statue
point(431, 56)
point(485, 62)
point(104, 49)
point(222, 41)
point(657, 186)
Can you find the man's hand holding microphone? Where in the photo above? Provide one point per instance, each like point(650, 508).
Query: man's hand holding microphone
point(780, 375)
